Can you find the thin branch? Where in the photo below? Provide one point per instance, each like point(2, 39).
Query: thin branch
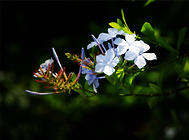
point(157, 95)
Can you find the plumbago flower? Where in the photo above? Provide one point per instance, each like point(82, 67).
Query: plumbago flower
point(124, 45)
point(112, 33)
point(134, 50)
point(137, 53)
point(106, 63)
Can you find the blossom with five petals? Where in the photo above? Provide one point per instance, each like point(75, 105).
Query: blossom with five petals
point(124, 45)
point(92, 79)
point(106, 63)
point(137, 53)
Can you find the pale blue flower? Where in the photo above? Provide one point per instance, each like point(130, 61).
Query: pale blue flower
point(137, 53)
point(124, 45)
point(112, 33)
point(106, 63)
point(44, 67)
point(90, 75)
point(92, 44)
point(84, 69)
point(92, 79)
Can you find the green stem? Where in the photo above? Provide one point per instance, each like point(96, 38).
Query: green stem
point(131, 66)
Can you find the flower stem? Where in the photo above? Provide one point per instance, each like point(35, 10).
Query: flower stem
point(94, 38)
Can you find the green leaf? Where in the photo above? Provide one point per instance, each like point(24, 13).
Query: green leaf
point(181, 36)
point(148, 2)
point(130, 78)
point(153, 35)
point(73, 76)
point(125, 28)
point(123, 17)
point(119, 22)
point(88, 87)
point(148, 30)
point(120, 74)
point(115, 25)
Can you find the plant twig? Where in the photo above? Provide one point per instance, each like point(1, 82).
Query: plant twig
point(157, 95)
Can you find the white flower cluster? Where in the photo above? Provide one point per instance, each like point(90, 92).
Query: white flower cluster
point(134, 50)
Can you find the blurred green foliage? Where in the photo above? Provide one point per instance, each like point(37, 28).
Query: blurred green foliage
point(32, 29)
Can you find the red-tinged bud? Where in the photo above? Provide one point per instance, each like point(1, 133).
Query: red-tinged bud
point(70, 75)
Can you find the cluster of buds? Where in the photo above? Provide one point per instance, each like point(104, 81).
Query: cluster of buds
point(60, 82)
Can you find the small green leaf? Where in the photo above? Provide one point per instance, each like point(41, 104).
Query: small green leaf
point(73, 76)
point(181, 35)
point(130, 78)
point(125, 28)
point(148, 30)
point(123, 17)
point(119, 22)
point(148, 2)
point(120, 74)
point(115, 25)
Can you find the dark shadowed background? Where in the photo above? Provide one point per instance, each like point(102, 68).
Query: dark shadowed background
point(28, 31)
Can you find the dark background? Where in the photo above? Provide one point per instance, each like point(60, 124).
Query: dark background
point(28, 32)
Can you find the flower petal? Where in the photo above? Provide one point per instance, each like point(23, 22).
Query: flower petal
point(143, 46)
point(121, 32)
point(92, 44)
point(94, 88)
point(109, 55)
point(108, 70)
point(90, 78)
point(115, 61)
point(149, 56)
point(132, 53)
point(130, 38)
point(84, 70)
point(99, 58)
point(103, 37)
point(109, 46)
point(119, 41)
point(121, 49)
point(96, 83)
point(140, 61)
point(112, 32)
point(99, 68)
point(45, 65)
